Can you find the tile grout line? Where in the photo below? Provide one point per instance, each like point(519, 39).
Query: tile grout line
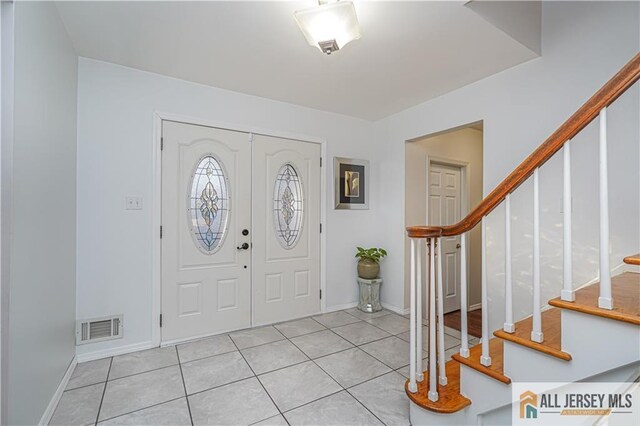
point(258, 379)
point(343, 388)
point(184, 386)
point(142, 372)
point(104, 391)
point(142, 409)
point(365, 407)
point(284, 337)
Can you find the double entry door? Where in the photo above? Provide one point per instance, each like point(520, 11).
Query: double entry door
point(240, 230)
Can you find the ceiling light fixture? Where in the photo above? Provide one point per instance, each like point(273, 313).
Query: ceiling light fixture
point(330, 25)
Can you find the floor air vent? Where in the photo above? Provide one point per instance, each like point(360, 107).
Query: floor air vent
point(98, 329)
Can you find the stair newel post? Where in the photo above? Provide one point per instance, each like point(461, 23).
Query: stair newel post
point(418, 319)
point(433, 385)
point(604, 301)
point(412, 326)
point(536, 332)
point(485, 358)
point(567, 292)
point(509, 326)
point(464, 349)
point(442, 374)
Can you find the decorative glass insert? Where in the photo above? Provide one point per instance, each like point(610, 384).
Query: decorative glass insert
point(287, 206)
point(209, 204)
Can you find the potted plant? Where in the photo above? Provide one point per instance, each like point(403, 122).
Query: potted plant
point(369, 262)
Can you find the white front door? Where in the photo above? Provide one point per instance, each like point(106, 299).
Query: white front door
point(444, 209)
point(206, 189)
point(286, 237)
point(240, 230)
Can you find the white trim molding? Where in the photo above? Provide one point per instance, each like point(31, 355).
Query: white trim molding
point(335, 308)
point(121, 350)
point(55, 399)
point(399, 311)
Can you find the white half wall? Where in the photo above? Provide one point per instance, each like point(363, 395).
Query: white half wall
point(584, 45)
point(43, 228)
point(115, 159)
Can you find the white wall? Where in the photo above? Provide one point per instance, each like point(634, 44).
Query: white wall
point(115, 159)
point(463, 145)
point(43, 240)
point(584, 44)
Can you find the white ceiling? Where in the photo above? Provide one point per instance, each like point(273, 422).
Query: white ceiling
point(409, 52)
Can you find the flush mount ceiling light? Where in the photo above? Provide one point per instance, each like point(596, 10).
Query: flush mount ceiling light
point(330, 25)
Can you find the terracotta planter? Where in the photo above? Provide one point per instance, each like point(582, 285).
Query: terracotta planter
point(368, 269)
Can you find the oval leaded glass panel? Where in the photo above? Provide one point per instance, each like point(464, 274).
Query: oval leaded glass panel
point(209, 204)
point(287, 206)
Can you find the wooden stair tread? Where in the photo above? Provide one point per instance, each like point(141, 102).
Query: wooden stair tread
point(496, 352)
point(632, 260)
point(450, 400)
point(551, 330)
point(625, 290)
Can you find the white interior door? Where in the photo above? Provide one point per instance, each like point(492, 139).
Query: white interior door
point(445, 197)
point(206, 190)
point(286, 238)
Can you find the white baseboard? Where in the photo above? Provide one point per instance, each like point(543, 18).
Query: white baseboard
point(341, 307)
point(474, 307)
point(48, 413)
point(631, 268)
point(121, 350)
point(397, 310)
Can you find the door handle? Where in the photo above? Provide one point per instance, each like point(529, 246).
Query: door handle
point(458, 245)
point(244, 246)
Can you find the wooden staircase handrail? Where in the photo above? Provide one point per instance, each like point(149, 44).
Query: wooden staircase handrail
point(604, 97)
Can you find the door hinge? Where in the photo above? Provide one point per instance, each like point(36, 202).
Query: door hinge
point(321, 228)
point(320, 293)
point(161, 320)
point(320, 161)
point(161, 144)
point(160, 231)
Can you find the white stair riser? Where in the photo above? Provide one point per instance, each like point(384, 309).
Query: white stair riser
point(599, 344)
point(502, 415)
point(421, 417)
point(588, 338)
point(485, 393)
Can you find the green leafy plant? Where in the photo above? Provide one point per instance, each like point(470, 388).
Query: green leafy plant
point(372, 253)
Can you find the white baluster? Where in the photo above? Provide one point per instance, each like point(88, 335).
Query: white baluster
point(485, 358)
point(567, 287)
point(442, 374)
point(536, 332)
point(509, 327)
point(464, 349)
point(413, 388)
point(604, 301)
point(433, 385)
point(418, 320)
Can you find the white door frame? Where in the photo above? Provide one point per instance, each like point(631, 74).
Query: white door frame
point(156, 203)
point(465, 180)
point(6, 149)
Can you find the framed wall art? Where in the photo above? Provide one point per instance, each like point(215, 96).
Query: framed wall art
point(351, 183)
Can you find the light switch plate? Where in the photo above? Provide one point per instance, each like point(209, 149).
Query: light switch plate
point(133, 203)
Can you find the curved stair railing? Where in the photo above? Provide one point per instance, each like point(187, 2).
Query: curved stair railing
point(428, 237)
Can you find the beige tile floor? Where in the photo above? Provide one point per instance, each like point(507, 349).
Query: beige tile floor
point(345, 367)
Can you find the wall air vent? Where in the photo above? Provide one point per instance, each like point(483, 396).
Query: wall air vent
point(98, 329)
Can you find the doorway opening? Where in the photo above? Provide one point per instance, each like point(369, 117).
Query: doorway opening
point(443, 182)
